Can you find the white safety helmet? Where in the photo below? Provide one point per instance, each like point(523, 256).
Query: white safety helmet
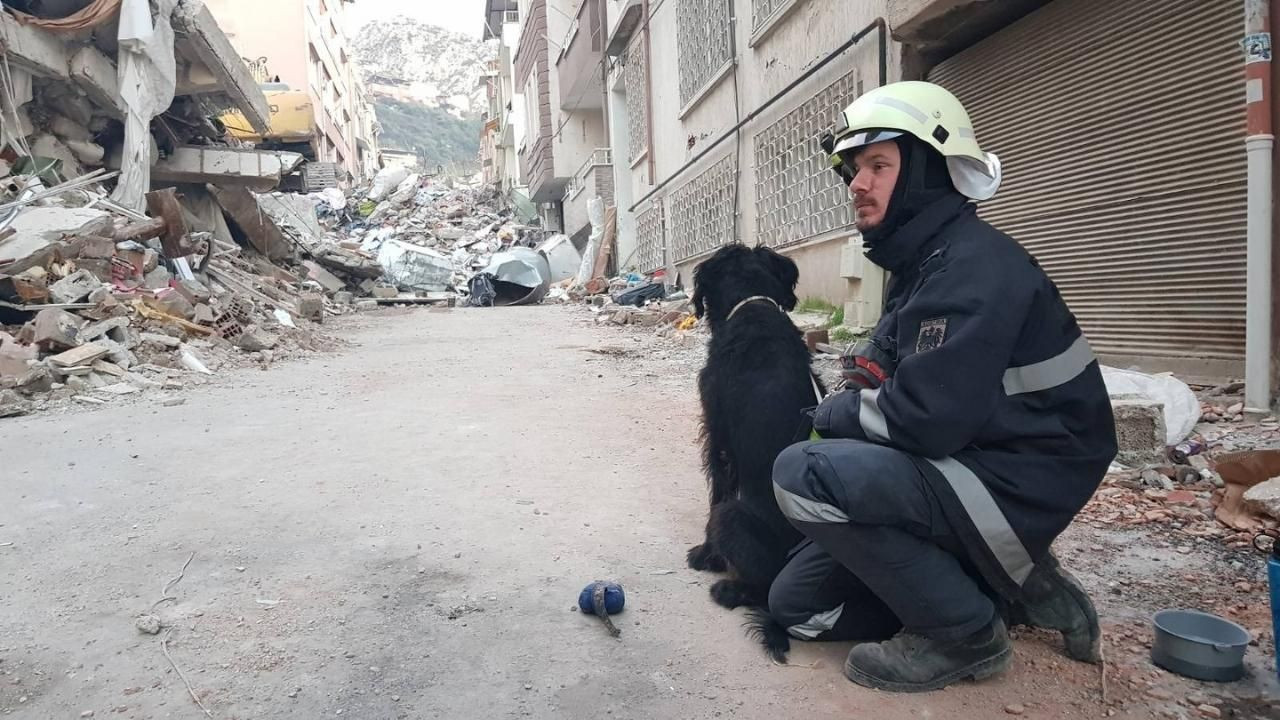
point(931, 114)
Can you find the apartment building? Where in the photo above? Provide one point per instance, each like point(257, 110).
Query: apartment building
point(564, 155)
point(303, 44)
point(1125, 168)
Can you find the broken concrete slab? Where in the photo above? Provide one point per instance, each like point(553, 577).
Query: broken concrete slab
point(32, 48)
point(247, 169)
point(385, 292)
point(1264, 498)
point(57, 329)
point(293, 211)
point(11, 404)
point(326, 279)
point(83, 355)
point(206, 40)
point(74, 287)
point(254, 340)
point(106, 367)
point(36, 228)
point(257, 226)
point(118, 389)
point(343, 298)
point(96, 74)
point(97, 330)
point(161, 341)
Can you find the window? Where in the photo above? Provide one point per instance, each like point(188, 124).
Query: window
point(650, 241)
point(532, 118)
point(797, 195)
point(762, 11)
point(705, 47)
point(702, 212)
point(634, 78)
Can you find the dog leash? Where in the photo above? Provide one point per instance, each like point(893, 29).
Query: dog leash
point(753, 298)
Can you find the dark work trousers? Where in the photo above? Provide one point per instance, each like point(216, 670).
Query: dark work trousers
point(879, 555)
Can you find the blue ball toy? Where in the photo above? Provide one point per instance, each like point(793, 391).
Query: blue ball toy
point(614, 598)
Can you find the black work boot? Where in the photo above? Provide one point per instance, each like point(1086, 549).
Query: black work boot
point(1054, 600)
point(912, 663)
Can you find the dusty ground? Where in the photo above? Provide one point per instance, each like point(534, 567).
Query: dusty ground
point(400, 530)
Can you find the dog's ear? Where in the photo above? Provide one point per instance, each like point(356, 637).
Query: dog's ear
point(784, 269)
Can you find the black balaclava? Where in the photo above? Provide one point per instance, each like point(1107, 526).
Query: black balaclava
point(922, 181)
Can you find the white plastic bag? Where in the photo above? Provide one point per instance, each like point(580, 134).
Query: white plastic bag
point(1181, 407)
point(385, 181)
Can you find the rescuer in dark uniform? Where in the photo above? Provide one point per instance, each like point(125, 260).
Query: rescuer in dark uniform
point(975, 426)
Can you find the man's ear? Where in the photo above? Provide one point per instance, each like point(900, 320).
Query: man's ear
point(784, 269)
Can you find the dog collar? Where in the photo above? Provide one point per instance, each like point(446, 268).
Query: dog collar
point(753, 298)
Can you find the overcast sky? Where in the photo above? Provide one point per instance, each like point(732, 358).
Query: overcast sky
point(464, 16)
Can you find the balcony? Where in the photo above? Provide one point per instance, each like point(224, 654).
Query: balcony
point(594, 178)
point(579, 63)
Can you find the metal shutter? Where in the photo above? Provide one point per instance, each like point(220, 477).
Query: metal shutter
point(1121, 124)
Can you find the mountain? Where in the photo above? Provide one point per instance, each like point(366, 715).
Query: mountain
point(438, 135)
point(425, 82)
point(433, 65)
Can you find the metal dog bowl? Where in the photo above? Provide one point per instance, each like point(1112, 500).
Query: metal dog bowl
point(1199, 645)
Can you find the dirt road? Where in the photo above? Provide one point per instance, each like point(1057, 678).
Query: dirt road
point(400, 530)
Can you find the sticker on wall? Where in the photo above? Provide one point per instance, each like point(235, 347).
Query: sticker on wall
point(1257, 48)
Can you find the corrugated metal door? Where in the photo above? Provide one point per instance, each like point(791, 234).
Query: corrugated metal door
point(1121, 127)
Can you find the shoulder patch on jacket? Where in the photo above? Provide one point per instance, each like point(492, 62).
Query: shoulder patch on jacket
point(932, 333)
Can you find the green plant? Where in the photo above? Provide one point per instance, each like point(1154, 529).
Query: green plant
point(816, 306)
point(844, 335)
point(837, 317)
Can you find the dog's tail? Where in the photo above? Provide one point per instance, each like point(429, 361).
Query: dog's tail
point(761, 626)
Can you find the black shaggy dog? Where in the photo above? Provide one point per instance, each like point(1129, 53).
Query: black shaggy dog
point(754, 389)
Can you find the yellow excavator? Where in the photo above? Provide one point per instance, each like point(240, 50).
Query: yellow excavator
point(292, 129)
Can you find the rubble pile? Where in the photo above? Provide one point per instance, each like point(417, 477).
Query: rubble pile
point(100, 303)
point(403, 237)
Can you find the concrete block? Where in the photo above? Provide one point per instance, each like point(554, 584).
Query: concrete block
point(385, 292)
point(96, 75)
point(311, 307)
point(1140, 432)
point(57, 329)
point(74, 287)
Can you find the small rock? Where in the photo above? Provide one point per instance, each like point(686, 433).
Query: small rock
point(294, 693)
point(175, 402)
point(87, 713)
point(1244, 586)
point(1160, 694)
point(395, 698)
point(528, 686)
point(1236, 409)
point(1151, 478)
point(1181, 497)
point(1015, 709)
point(1209, 711)
point(149, 624)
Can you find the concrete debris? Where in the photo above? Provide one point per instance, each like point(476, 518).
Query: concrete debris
point(1264, 498)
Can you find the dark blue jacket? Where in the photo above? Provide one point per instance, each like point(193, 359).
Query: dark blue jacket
point(996, 391)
